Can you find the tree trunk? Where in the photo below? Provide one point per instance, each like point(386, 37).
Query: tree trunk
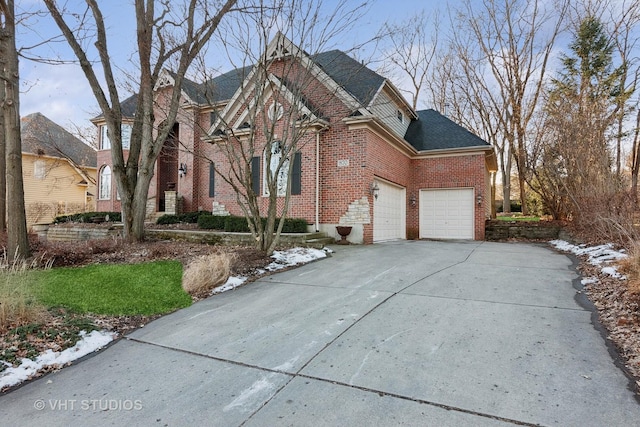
point(17, 239)
point(3, 165)
point(505, 169)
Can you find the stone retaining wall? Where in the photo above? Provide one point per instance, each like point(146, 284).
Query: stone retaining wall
point(519, 230)
point(66, 233)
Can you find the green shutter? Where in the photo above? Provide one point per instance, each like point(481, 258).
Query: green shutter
point(255, 175)
point(296, 174)
point(212, 180)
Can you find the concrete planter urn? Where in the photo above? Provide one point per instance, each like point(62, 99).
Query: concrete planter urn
point(343, 231)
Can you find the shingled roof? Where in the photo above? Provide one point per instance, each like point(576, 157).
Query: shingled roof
point(354, 77)
point(433, 131)
point(361, 82)
point(41, 136)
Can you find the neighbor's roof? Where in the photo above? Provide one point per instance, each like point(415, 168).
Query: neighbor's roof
point(433, 131)
point(41, 136)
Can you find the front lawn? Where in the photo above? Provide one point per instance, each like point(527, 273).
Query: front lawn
point(112, 289)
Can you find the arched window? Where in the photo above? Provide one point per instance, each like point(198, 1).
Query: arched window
point(104, 192)
point(280, 176)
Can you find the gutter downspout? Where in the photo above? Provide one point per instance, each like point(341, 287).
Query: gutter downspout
point(317, 225)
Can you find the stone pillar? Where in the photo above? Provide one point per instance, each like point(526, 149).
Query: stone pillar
point(170, 202)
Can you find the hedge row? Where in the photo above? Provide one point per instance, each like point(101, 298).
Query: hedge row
point(188, 217)
point(89, 217)
point(239, 224)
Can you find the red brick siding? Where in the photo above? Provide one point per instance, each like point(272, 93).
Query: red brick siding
point(450, 172)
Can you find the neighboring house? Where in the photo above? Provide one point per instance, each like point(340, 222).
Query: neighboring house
point(371, 161)
point(58, 171)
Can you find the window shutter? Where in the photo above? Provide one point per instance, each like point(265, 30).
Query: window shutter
point(212, 180)
point(296, 175)
point(255, 175)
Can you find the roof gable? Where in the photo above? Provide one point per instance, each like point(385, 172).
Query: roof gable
point(433, 131)
point(358, 80)
point(41, 136)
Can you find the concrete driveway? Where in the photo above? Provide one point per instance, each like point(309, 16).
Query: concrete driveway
point(404, 333)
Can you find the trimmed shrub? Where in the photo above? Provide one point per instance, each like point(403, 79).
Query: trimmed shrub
point(168, 219)
point(88, 217)
point(205, 273)
point(294, 225)
point(192, 217)
point(211, 222)
point(236, 224)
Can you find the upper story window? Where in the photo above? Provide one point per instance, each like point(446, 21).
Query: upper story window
point(39, 169)
point(105, 142)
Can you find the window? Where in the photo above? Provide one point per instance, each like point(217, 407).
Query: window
point(105, 142)
point(400, 116)
point(126, 136)
point(39, 169)
point(281, 178)
point(104, 192)
point(282, 174)
point(212, 180)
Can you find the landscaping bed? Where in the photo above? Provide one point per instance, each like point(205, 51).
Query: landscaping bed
point(58, 328)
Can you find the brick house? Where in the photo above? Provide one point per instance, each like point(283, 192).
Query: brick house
point(366, 158)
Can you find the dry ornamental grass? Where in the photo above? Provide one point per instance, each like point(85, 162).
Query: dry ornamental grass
point(206, 272)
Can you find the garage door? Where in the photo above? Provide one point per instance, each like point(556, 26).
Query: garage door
point(447, 214)
point(389, 212)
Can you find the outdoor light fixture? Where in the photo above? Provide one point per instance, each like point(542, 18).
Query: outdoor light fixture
point(412, 200)
point(479, 198)
point(182, 170)
point(375, 189)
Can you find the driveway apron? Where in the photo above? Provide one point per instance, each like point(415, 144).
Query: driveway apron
point(400, 333)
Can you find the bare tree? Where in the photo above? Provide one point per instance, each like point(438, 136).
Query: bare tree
point(412, 49)
point(581, 109)
point(282, 104)
point(168, 37)
point(17, 243)
point(623, 22)
point(504, 48)
point(635, 156)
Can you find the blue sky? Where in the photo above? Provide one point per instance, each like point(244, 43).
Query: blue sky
point(61, 92)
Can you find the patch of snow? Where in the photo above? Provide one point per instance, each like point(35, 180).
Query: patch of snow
point(231, 283)
point(87, 344)
point(600, 256)
point(589, 280)
point(294, 256)
point(613, 272)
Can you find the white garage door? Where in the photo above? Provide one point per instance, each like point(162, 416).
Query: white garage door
point(447, 214)
point(389, 212)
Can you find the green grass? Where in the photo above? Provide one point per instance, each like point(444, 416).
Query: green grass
point(518, 218)
point(130, 289)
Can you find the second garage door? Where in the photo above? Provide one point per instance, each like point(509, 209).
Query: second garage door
point(447, 214)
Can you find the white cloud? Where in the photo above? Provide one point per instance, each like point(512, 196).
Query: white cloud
point(60, 92)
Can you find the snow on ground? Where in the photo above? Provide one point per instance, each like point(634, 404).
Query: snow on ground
point(282, 259)
point(98, 339)
point(87, 344)
point(601, 256)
